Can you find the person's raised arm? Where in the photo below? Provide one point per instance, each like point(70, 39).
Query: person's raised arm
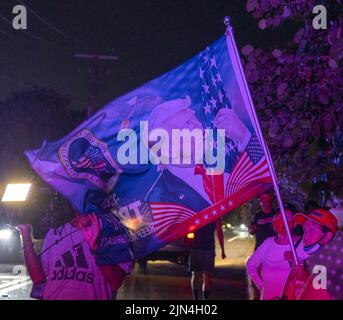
point(113, 274)
point(220, 236)
point(32, 260)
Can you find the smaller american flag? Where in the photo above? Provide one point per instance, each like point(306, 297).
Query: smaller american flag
point(251, 167)
point(168, 215)
point(93, 159)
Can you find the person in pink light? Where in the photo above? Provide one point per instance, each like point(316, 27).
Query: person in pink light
point(323, 241)
point(66, 268)
point(269, 266)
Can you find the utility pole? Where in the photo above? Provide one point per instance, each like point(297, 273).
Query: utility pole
point(93, 70)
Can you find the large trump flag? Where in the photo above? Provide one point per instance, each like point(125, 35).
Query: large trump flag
point(116, 165)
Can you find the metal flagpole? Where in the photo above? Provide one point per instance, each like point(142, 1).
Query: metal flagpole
point(242, 82)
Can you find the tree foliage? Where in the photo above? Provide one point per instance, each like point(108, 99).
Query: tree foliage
point(297, 91)
point(27, 119)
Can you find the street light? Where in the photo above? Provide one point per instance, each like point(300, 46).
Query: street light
point(16, 192)
point(5, 234)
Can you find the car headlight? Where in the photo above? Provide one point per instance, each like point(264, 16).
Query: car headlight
point(5, 234)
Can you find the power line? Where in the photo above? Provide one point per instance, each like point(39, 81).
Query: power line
point(11, 35)
point(32, 36)
point(26, 32)
point(47, 23)
point(6, 33)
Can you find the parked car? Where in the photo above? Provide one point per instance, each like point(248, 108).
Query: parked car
point(177, 252)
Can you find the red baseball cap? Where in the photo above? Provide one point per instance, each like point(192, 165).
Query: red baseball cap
point(266, 197)
point(320, 216)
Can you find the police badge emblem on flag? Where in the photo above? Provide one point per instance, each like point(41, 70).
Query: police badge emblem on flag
point(85, 157)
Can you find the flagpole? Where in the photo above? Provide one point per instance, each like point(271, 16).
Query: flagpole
point(242, 81)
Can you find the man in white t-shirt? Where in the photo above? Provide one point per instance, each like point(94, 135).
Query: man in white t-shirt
point(269, 266)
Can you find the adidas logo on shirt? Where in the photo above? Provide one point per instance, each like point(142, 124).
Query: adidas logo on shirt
point(73, 267)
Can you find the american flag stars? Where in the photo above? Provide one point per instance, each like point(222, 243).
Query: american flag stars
point(214, 102)
point(207, 108)
point(254, 149)
point(201, 73)
point(206, 88)
point(217, 210)
point(220, 97)
point(205, 56)
point(213, 62)
point(212, 88)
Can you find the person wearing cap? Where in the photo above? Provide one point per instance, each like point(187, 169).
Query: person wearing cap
point(261, 225)
point(269, 267)
point(324, 243)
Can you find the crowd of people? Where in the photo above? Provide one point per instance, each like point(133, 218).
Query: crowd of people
point(66, 267)
point(316, 273)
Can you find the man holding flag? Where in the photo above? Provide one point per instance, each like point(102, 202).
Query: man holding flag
point(66, 268)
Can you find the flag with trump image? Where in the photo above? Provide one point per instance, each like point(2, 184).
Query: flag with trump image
point(162, 160)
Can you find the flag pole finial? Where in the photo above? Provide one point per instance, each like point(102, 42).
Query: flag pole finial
point(227, 22)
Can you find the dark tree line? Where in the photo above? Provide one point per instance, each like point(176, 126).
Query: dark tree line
point(27, 118)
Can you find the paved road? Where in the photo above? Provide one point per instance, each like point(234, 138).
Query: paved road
point(160, 280)
point(14, 282)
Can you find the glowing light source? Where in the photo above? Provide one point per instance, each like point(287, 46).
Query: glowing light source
point(5, 234)
point(133, 224)
point(16, 192)
point(190, 235)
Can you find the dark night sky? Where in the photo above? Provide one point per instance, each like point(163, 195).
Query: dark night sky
point(150, 37)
